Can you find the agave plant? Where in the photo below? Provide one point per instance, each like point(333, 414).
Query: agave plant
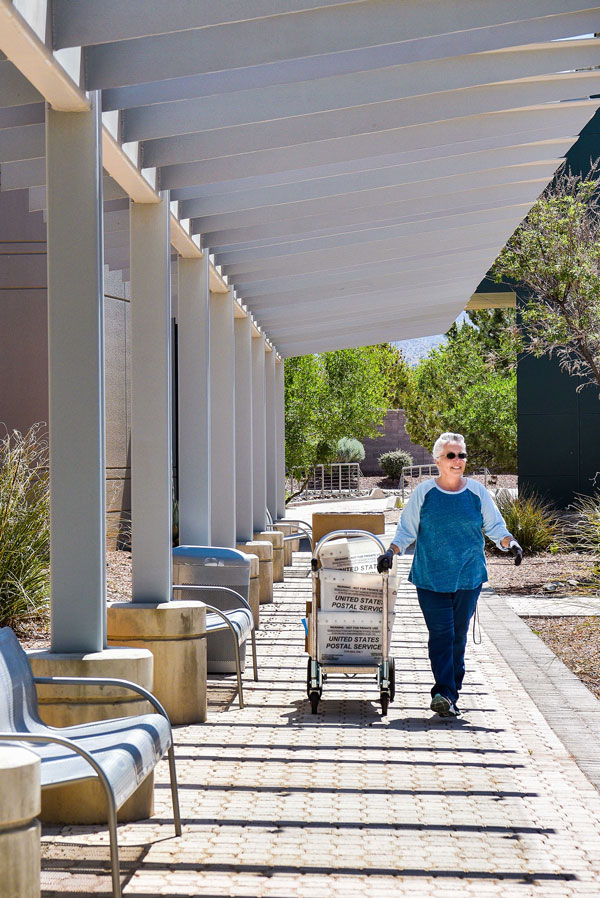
point(530, 519)
point(24, 525)
point(585, 523)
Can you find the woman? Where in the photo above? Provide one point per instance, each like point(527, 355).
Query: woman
point(446, 516)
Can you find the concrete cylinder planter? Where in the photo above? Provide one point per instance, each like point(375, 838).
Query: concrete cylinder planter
point(175, 634)
point(20, 804)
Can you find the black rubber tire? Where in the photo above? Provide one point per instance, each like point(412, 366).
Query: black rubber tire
point(314, 701)
point(392, 679)
point(385, 700)
point(308, 678)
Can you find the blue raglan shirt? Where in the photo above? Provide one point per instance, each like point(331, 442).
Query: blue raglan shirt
point(447, 527)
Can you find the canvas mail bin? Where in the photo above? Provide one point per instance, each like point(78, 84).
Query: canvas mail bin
point(212, 566)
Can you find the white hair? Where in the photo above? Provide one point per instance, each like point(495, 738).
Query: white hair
point(444, 439)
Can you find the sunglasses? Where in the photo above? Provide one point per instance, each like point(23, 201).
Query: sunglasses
point(452, 455)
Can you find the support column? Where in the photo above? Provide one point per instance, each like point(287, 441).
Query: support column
point(76, 379)
point(259, 462)
point(271, 432)
point(173, 631)
point(194, 401)
point(280, 428)
point(243, 429)
point(151, 487)
point(222, 419)
point(77, 419)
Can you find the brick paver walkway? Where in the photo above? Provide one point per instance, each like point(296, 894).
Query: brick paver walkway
point(277, 802)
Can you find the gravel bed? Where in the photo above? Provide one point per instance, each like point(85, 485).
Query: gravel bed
point(576, 641)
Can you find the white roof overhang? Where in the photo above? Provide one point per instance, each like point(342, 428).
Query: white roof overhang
point(353, 168)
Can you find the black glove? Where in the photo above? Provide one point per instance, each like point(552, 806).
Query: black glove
point(516, 551)
point(385, 561)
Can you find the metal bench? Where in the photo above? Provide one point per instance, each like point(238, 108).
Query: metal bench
point(235, 616)
point(120, 752)
point(303, 530)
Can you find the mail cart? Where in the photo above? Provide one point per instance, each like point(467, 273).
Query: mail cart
point(351, 615)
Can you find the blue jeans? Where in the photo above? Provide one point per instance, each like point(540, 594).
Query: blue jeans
point(447, 615)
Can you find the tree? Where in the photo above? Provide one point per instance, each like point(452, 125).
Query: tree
point(337, 394)
point(555, 255)
point(468, 385)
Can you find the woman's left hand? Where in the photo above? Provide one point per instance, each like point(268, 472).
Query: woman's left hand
point(515, 549)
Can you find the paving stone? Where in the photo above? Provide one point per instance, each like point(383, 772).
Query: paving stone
point(280, 803)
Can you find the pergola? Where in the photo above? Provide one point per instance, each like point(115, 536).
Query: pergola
point(318, 174)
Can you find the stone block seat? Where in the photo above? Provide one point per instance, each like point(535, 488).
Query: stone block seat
point(120, 752)
point(293, 529)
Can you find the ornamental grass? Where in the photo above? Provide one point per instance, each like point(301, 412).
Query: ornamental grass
point(24, 526)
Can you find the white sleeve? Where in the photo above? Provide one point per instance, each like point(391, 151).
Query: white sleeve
point(408, 525)
point(493, 522)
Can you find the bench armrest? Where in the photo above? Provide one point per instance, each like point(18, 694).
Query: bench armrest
point(243, 602)
point(106, 681)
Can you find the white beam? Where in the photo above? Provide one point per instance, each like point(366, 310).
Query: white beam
point(245, 261)
point(22, 46)
point(193, 356)
point(243, 429)
point(417, 246)
point(476, 132)
point(512, 67)
point(222, 420)
point(360, 296)
point(245, 207)
point(76, 381)
point(390, 329)
point(346, 282)
point(380, 305)
point(151, 463)
point(505, 300)
point(431, 31)
point(24, 142)
point(23, 173)
point(20, 40)
point(451, 157)
point(393, 208)
point(15, 89)
point(442, 108)
point(82, 22)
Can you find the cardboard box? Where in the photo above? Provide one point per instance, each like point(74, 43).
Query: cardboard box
point(325, 521)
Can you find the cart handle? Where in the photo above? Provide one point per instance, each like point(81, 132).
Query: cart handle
point(340, 534)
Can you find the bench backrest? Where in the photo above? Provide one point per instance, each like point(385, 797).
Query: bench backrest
point(18, 695)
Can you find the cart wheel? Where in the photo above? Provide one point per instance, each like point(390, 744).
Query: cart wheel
point(314, 701)
point(392, 679)
point(308, 678)
point(385, 700)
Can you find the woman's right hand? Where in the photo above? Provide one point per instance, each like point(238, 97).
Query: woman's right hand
point(385, 561)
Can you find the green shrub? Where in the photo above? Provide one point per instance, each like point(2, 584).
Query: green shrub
point(530, 519)
point(349, 449)
point(24, 526)
point(391, 463)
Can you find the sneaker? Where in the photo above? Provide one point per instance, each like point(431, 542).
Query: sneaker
point(443, 706)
